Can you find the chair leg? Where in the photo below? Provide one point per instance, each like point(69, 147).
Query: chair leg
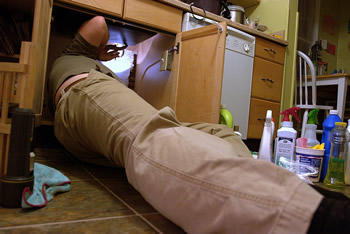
point(305, 119)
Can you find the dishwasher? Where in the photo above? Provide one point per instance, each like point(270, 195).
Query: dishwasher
point(238, 70)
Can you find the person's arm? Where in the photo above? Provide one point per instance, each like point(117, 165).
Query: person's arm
point(95, 31)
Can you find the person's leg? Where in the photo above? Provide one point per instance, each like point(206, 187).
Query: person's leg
point(197, 180)
point(223, 132)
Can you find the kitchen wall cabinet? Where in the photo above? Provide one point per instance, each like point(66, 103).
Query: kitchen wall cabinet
point(22, 81)
point(266, 86)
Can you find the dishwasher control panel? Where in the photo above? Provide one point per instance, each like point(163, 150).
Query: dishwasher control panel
point(240, 42)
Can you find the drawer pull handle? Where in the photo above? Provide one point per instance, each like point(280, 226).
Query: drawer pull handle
point(270, 50)
point(262, 119)
point(268, 79)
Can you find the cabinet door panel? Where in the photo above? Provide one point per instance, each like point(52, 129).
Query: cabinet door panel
point(258, 109)
point(34, 85)
point(198, 69)
point(267, 80)
point(110, 7)
point(153, 14)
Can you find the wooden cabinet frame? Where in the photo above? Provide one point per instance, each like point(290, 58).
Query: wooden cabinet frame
point(23, 82)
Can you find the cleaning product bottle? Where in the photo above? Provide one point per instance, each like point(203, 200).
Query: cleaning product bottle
point(225, 116)
point(285, 141)
point(347, 159)
point(310, 128)
point(335, 173)
point(272, 135)
point(265, 149)
point(328, 125)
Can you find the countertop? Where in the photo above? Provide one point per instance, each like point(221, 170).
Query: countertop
point(199, 11)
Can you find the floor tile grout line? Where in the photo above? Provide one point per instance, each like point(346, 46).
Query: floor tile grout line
point(65, 222)
point(121, 200)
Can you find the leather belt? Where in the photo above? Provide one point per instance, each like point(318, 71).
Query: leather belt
point(67, 84)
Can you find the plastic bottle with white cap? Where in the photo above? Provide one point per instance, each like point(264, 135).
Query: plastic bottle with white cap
point(265, 149)
point(310, 128)
point(286, 137)
point(328, 125)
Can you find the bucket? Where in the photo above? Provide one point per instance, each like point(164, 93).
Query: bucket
point(310, 162)
point(237, 13)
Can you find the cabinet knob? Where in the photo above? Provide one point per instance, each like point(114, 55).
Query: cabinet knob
point(270, 50)
point(262, 119)
point(268, 79)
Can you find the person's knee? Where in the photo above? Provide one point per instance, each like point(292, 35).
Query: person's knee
point(94, 30)
point(98, 21)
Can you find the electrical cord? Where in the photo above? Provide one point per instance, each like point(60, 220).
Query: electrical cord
point(144, 73)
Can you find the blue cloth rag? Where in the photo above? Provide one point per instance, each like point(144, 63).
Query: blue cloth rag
point(47, 182)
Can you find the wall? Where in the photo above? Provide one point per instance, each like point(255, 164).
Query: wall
point(344, 37)
point(329, 10)
point(272, 13)
point(287, 100)
point(339, 11)
point(281, 15)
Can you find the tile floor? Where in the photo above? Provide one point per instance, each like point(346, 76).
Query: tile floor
point(100, 201)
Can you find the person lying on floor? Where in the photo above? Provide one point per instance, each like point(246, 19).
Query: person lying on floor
point(200, 176)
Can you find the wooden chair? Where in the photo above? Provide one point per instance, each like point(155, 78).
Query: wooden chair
point(305, 71)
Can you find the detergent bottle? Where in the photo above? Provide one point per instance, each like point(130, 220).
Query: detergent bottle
point(328, 125)
point(310, 128)
point(285, 141)
point(265, 149)
point(225, 116)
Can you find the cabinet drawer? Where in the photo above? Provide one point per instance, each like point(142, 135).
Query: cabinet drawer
point(153, 14)
point(269, 50)
point(110, 7)
point(258, 109)
point(267, 80)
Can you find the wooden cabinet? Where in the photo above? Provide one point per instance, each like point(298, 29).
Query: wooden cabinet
point(144, 12)
point(22, 82)
point(193, 86)
point(197, 72)
point(153, 14)
point(266, 86)
point(110, 7)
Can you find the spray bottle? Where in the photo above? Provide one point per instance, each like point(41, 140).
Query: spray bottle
point(310, 128)
point(286, 136)
point(265, 149)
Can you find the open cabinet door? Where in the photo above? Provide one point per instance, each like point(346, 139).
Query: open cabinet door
point(197, 72)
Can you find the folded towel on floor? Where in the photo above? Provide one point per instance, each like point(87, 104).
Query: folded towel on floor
point(47, 182)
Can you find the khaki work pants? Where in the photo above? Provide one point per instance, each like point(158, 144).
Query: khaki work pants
point(202, 182)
